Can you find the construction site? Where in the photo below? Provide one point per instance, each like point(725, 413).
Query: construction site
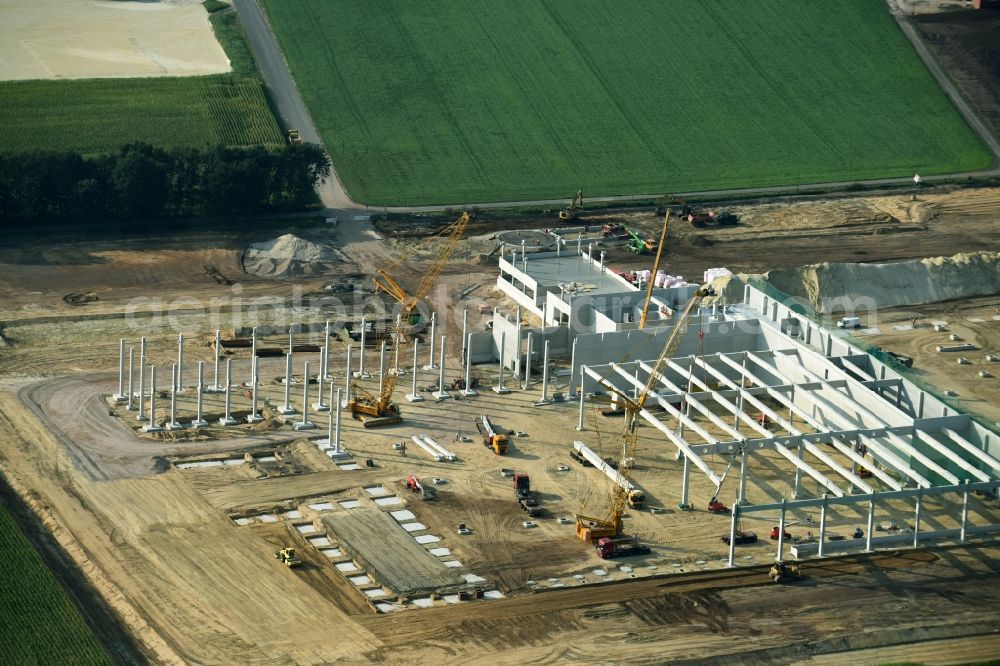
point(588, 436)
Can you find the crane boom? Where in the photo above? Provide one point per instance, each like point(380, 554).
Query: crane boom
point(656, 266)
point(590, 528)
point(381, 406)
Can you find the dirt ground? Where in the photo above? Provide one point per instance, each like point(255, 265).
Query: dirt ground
point(966, 45)
point(976, 320)
point(70, 39)
point(160, 544)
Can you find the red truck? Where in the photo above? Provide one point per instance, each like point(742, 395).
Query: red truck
point(614, 547)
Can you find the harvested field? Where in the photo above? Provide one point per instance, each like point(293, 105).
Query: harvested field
point(94, 116)
point(488, 101)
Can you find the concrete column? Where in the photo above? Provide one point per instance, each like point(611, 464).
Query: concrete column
point(287, 409)
point(733, 523)
point(180, 361)
point(142, 346)
point(413, 396)
point(442, 392)
point(579, 424)
point(517, 345)
point(465, 335)
point(685, 481)
point(319, 405)
point(152, 426)
point(396, 344)
point(336, 430)
point(468, 391)
point(527, 364)
point(227, 419)
point(199, 420)
point(822, 526)
point(348, 374)
point(254, 417)
point(430, 361)
point(572, 371)
point(291, 348)
point(305, 423)
point(131, 394)
point(172, 423)
point(798, 475)
point(781, 531)
point(253, 352)
point(916, 516)
point(381, 367)
point(871, 524)
point(216, 387)
point(361, 356)
point(500, 388)
point(965, 511)
point(744, 465)
point(545, 375)
point(120, 396)
point(326, 355)
point(142, 388)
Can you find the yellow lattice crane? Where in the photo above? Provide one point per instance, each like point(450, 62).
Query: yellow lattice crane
point(592, 528)
point(376, 410)
point(656, 267)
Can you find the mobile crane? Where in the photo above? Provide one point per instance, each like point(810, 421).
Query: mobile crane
point(594, 528)
point(377, 410)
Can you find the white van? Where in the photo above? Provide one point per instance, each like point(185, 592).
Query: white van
point(849, 322)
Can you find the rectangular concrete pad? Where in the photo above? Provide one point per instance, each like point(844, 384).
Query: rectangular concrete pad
point(388, 552)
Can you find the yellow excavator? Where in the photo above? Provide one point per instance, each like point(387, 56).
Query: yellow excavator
point(378, 410)
point(593, 528)
point(572, 212)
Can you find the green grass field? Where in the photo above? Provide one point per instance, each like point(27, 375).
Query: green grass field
point(482, 100)
point(38, 623)
point(98, 115)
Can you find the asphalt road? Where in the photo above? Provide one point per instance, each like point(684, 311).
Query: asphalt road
point(293, 114)
point(285, 97)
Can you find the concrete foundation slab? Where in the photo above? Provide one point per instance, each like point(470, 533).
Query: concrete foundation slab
point(387, 552)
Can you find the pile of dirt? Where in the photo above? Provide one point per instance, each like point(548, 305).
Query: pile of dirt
point(289, 256)
point(830, 286)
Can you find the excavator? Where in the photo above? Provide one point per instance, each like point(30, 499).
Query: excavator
point(572, 212)
point(378, 410)
point(594, 528)
point(668, 200)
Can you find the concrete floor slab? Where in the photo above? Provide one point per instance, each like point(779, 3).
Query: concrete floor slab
point(402, 515)
point(389, 501)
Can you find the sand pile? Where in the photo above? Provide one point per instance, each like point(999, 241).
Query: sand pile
point(829, 286)
point(289, 256)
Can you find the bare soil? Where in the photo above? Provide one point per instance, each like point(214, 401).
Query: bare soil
point(160, 545)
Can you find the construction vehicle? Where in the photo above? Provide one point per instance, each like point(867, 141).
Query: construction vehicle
point(638, 244)
point(294, 136)
point(613, 547)
point(530, 506)
point(775, 531)
point(612, 229)
point(492, 438)
point(591, 528)
point(782, 572)
point(572, 211)
point(379, 410)
point(704, 218)
point(669, 202)
point(288, 557)
point(522, 486)
point(459, 384)
point(742, 537)
point(413, 485)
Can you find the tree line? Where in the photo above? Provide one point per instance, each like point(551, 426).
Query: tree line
point(141, 182)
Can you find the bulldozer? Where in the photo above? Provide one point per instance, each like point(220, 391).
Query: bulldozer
point(783, 572)
point(288, 557)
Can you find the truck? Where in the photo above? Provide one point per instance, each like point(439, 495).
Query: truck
point(522, 486)
point(530, 506)
point(849, 322)
point(622, 546)
point(294, 136)
point(492, 438)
